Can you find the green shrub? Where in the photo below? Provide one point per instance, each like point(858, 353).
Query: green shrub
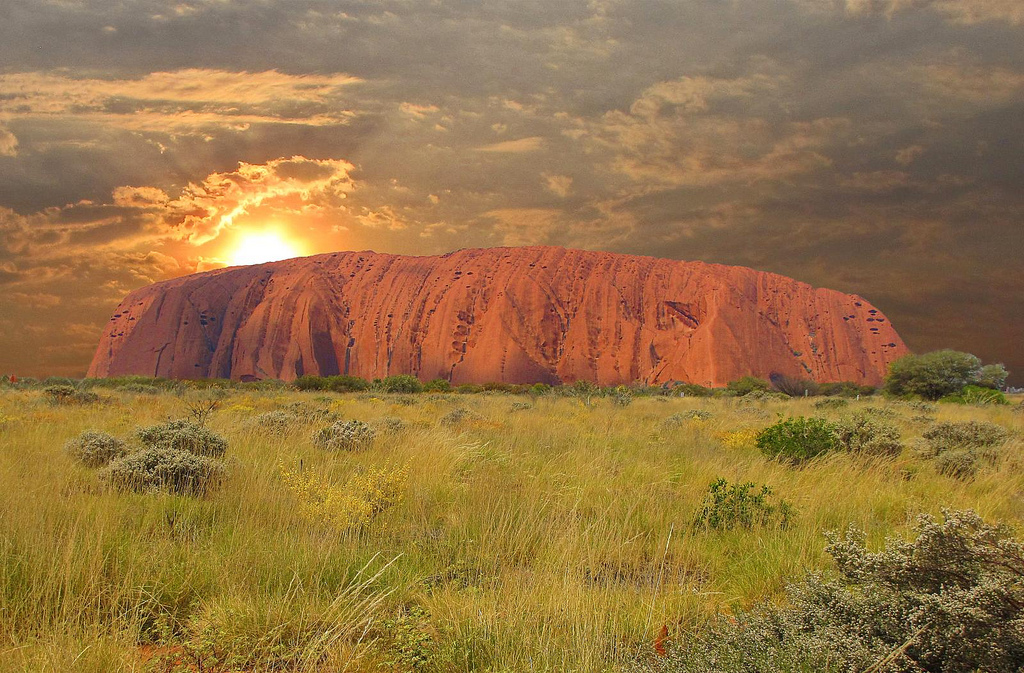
point(538, 389)
point(846, 389)
point(960, 448)
point(690, 390)
point(978, 395)
point(880, 412)
point(916, 405)
point(582, 390)
point(746, 385)
point(456, 416)
point(958, 463)
point(727, 506)
point(68, 394)
point(183, 436)
point(344, 436)
point(437, 386)
point(798, 439)
point(831, 403)
point(863, 434)
point(520, 406)
point(501, 387)
point(622, 396)
point(951, 601)
point(274, 422)
point(336, 384)
point(95, 449)
point(140, 389)
point(401, 383)
point(762, 396)
point(312, 413)
point(963, 435)
point(408, 643)
point(160, 468)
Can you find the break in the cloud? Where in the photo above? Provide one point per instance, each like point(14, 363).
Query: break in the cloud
point(868, 145)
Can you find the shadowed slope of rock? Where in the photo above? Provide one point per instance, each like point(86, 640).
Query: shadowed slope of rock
point(518, 315)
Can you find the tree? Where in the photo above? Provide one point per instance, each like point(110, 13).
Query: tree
point(992, 376)
point(932, 375)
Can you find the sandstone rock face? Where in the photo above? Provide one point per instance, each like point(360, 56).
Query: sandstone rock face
point(518, 315)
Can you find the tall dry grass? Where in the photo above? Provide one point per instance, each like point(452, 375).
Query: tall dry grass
point(553, 538)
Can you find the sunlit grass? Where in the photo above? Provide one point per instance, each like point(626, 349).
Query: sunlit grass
point(553, 538)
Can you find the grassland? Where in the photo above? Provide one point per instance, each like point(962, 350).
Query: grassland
point(531, 535)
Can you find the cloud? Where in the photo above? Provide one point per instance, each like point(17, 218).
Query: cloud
point(979, 11)
point(179, 101)
point(35, 299)
point(876, 181)
point(908, 155)
point(971, 83)
point(124, 232)
point(384, 217)
point(8, 143)
point(418, 111)
point(204, 209)
point(140, 197)
point(518, 146)
point(703, 131)
point(559, 185)
point(869, 145)
point(965, 12)
point(527, 226)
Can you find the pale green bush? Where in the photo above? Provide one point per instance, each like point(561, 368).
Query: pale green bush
point(274, 422)
point(344, 436)
point(183, 436)
point(964, 435)
point(866, 435)
point(95, 449)
point(161, 468)
point(67, 394)
point(951, 600)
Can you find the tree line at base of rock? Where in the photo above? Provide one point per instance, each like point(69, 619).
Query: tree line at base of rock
point(946, 375)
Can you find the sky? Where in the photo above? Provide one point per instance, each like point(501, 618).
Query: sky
point(870, 146)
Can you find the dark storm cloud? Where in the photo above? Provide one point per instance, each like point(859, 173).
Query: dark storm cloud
point(868, 145)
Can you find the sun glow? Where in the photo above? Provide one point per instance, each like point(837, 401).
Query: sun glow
point(268, 246)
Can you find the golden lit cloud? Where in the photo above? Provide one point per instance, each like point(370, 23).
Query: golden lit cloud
point(559, 185)
point(178, 101)
point(8, 143)
point(520, 146)
point(204, 209)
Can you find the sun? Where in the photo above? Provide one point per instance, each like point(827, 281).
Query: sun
point(267, 246)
